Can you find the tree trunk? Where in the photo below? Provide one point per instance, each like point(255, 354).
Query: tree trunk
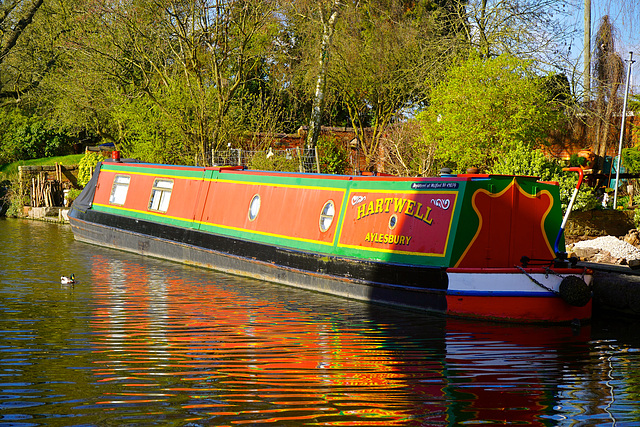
point(315, 122)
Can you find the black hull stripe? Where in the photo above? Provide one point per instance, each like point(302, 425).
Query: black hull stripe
point(400, 285)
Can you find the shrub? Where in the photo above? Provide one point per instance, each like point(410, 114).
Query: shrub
point(636, 218)
point(631, 159)
point(333, 155)
point(576, 160)
point(86, 166)
point(72, 194)
point(524, 160)
point(11, 198)
point(23, 138)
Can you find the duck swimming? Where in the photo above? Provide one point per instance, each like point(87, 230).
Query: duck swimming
point(68, 280)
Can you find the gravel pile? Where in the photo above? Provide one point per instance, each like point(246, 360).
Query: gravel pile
point(616, 247)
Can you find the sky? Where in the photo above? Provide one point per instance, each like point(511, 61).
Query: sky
point(625, 16)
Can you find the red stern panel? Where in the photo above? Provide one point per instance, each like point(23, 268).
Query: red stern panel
point(511, 224)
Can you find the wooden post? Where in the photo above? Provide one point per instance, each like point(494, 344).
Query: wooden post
point(586, 74)
point(40, 189)
point(20, 178)
point(300, 160)
point(315, 150)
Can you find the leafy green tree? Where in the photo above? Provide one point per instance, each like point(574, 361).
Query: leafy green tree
point(16, 18)
point(31, 38)
point(484, 109)
point(26, 136)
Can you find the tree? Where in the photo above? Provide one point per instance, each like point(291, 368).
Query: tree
point(328, 19)
point(181, 63)
point(385, 52)
point(15, 18)
point(608, 72)
point(403, 156)
point(527, 29)
point(27, 136)
point(30, 41)
point(483, 109)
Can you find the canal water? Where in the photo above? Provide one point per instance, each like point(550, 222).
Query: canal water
point(140, 341)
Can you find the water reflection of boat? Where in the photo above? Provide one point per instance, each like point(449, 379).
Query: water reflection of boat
point(466, 245)
point(221, 350)
point(230, 352)
point(509, 373)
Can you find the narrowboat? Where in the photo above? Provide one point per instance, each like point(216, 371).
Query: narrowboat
point(468, 245)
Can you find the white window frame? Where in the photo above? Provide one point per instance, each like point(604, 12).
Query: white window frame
point(160, 195)
point(119, 189)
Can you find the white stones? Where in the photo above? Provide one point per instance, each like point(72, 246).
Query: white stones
point(607, 249)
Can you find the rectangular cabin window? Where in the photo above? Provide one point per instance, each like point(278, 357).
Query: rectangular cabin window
point(119, 189)
point(160, 195)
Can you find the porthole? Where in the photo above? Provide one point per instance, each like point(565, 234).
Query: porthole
point(254, 207)
point(326, 216)
point(393, 221)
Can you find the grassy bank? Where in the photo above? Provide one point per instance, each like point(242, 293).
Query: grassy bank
point(11, 169)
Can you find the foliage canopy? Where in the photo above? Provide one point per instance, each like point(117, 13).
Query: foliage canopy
point(484, 109)
point(170, 80)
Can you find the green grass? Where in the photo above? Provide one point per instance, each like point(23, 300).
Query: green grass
point(11, 169)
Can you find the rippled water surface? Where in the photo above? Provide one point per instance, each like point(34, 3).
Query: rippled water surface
point(139, 341)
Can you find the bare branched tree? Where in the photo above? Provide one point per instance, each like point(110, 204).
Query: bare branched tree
point(18, 73)
point(608, 70)
point(528, 29)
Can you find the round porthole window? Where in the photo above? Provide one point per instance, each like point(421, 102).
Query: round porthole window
point(393, 221)
point(254, 207)
point(326, 216)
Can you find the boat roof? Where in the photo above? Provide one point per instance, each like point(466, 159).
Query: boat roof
point(364, 177)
